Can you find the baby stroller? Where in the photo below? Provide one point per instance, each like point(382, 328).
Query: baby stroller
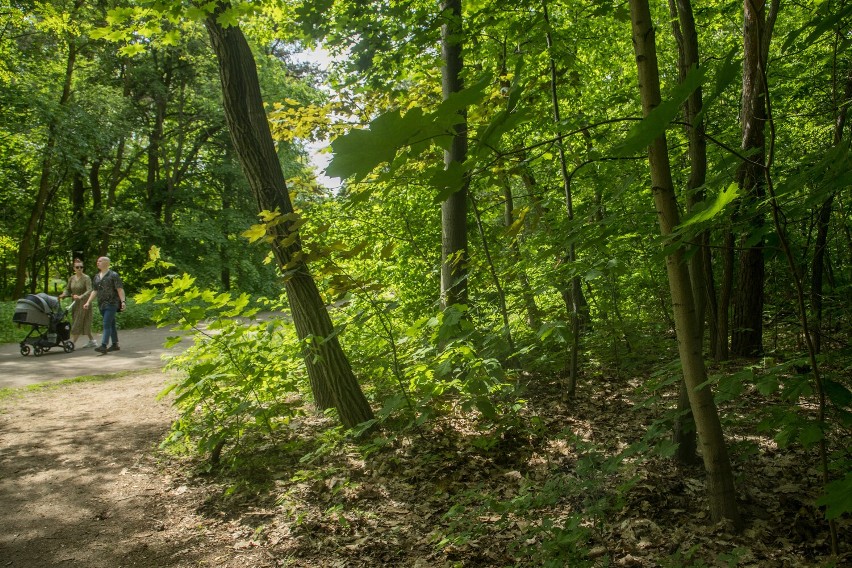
point(49, 326)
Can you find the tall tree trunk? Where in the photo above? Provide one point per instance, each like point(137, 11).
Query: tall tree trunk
point(154, 183)
point(26, 246)
point(747, 332)
point(517, 272)
point(818, 264)
point(78, 213)
point(720, 480)
point(329, 371)
point(228, 183)
point(498, 286)
point(686, 33)
point(454, 252)
point(575, 296)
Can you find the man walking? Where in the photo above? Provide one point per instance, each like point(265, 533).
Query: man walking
point(108, 288)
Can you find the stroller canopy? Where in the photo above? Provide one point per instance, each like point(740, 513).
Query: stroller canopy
point(36, 309)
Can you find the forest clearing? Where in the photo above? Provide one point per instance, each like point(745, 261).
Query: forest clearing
point(572, 288)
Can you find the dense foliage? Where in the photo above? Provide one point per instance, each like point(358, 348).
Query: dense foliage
point(565, 262)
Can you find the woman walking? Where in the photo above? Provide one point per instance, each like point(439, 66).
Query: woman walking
point(109, 290)
point(79, 287)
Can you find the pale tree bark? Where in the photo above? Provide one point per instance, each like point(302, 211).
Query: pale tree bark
point(454, 250)
point(330, 374)
point(700, 263)
point(720, 480)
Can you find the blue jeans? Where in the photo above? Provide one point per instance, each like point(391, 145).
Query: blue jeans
point(110, 331)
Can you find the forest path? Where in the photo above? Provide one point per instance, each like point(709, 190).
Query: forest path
point(83, 484)
point(140, 349)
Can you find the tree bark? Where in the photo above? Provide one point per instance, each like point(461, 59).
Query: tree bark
point(747, 332)
point(454, 251)
point(726, 292)
point(700, 273)
point(330, 374)
point(824, 219)
point(720, 481)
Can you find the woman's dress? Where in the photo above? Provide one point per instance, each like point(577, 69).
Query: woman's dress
point(81, 320)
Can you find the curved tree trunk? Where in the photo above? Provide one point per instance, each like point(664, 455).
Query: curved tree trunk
point(331, 377)
point(454, 209)
point(720, 480)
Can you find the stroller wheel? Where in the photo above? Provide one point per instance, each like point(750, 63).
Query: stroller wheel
point(38, 350)
point(25, 350)
point(68, 346)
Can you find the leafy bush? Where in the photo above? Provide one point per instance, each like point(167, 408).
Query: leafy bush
point(238, 379)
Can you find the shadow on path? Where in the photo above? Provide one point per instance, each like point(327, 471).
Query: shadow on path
point(80, 484)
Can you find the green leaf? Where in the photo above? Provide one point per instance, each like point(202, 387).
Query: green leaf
point(810, 434)
point(145, 295)
point(229, 17)
point(714, 208)
point(655, 124)
point(132, 50)
point(360, 151)
point(254, 233)
point(821, 23)
point(727, 72)
point(837, 393)
point(447, 181)
point(447, 113)
point(503, 122)
point(837, 498)
point(486, 408)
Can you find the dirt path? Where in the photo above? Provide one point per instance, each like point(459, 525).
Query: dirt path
point(81, 484)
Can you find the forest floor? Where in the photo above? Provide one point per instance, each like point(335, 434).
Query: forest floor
point(83, 483)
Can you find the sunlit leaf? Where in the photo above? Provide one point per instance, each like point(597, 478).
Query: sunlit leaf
point(655, 124)
point(708, 211)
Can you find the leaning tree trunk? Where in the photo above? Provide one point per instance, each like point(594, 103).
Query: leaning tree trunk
point(720, 480)
point(454, 209)
point(330, 374)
